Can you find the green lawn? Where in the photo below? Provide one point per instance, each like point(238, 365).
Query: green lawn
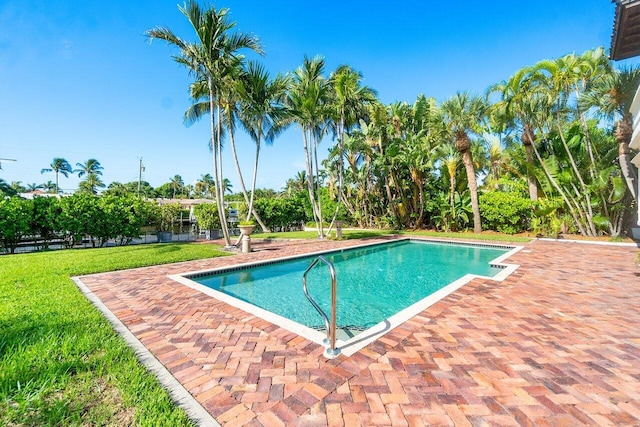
point(61, 363)
point(359, 234)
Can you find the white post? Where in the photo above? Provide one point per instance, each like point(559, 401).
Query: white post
point(246, 244)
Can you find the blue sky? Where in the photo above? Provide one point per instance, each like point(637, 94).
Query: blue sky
point(79, 80)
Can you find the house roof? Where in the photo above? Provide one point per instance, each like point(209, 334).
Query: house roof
point(625, 41)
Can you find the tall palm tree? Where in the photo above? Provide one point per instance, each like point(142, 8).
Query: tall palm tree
point(308, 105)
point(212, 57)
point(261, 115)
point(59, 166)
point(463, 114)
point(91, 170)
point(559, 79)
point(349, 104)
point(91, 166)
point(612, 95)
point(515, 106)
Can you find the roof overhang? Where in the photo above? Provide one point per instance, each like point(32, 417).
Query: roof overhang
point(625, 41)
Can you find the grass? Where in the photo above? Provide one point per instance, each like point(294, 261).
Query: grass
point(61, 363)
point(359, 234)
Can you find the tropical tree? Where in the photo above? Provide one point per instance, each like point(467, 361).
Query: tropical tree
point(17, 187)
point(205, 186)
point(212, 58)
point(563, 81)
point(261, 115)
point(348, 105)
point(6, 188)
point(516, 108)
point(177, 184)
point(463, 113)
point(33, 187)
point(49, 186)
point(91, 170)
point(308, 105)
point(59, 166)
point(612, 95)
point(226, 186)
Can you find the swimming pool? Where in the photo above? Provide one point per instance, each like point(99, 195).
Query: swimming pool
point(375, 282)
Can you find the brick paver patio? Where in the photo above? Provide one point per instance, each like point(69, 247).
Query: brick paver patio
point(556, 343)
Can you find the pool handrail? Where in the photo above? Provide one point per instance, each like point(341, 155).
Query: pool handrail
point(331, 350)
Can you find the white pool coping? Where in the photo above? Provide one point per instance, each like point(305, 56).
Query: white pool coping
point(358, 342)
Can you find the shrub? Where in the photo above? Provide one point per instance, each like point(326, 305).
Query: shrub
point(506, 212)
point(207, 216)
point(167, 215)
point(281, 213)
point(15, 215)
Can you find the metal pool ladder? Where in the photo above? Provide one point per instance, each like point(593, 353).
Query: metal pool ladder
point(331, 351)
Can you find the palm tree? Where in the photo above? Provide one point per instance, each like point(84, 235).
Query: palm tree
point(91, 166)
point(307, 103)
point(349, 104)
point(18, 187)
point(558, 80)
point(59, 166)
point(214, 56)
point(49, 186)
point(261, 115)
point(33, 187)
point(205, 185)
point(613, 94)
point(90, 184)
point(91, 170)
point(177, 184)
point(463, 113)
point(226, 185)
point(6, 188)
point(515, 106)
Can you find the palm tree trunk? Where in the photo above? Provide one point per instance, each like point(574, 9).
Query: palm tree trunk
point(531, 180)
point(57, 188)
point(225, 224)
point(317, 186)
point(215, 142)
point(253, 191)
point(309, 167)
point(623, 133)
point(528, 139)
point(452, 190)
point(243, 187)
point(559, 189)
point(340, 171)
point(585, 191)
point(473, 190)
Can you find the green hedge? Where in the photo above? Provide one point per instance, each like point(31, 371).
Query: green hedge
point(70, 218)
point(505, 212)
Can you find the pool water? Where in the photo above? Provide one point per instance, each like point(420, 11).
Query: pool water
point(373, 282)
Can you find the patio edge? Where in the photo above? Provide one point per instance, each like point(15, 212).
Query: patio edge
point(180, 396)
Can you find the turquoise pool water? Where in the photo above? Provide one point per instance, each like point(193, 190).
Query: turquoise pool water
point(374, 282)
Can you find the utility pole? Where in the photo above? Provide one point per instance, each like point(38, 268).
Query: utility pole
point(140, 170)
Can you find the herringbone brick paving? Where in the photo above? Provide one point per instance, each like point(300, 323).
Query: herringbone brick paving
point(555, 344)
